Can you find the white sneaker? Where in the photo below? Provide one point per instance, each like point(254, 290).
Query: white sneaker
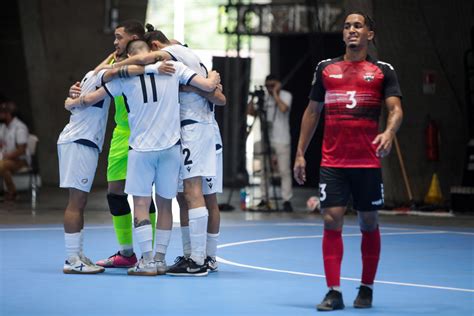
point(143, 268)
point(81, 265)
point(161, 267)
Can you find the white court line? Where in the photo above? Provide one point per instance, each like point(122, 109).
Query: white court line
point(225, 261)
point(60, 228)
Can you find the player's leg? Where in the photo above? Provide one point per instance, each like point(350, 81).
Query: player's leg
point(77, 166)
point(368, 198)
point(184, 223)
point(212, 186)
point(163, 232)
point(213, 228)
point(283, 154)
point(140, 177)
point(118, 203)
point(334, 195)
point(181, 262)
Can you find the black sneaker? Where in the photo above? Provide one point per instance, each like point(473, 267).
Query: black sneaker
point(364, 297)
point(187, 267)
point(211, 264)
point(332, 301)
point(287, 207)
point(262, 204)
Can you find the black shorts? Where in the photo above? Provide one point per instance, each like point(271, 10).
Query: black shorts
point(336, 185)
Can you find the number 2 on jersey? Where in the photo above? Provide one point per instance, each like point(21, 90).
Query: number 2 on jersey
point(352, 99)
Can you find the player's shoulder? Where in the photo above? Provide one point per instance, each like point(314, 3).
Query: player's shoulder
point(326, 62)
point(381, 64)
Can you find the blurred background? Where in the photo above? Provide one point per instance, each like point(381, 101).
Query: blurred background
point(47, 45)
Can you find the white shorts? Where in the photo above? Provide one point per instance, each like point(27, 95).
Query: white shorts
point(198, 151)
point(210, 185)
point(145, 168)
point(77, 166)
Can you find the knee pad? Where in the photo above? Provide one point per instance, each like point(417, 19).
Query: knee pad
point(118, 204)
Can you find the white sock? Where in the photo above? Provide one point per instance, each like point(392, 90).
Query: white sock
point(145, 241)
point(162, 240)
point(81, 243)
point(371, 286)
point(126, 250)
point(336, 288)
point(211, 246)
point(186, 239)
point(198, 233)
point(73, 244)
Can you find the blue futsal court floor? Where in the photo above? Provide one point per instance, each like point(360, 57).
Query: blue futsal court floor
point(267, 267)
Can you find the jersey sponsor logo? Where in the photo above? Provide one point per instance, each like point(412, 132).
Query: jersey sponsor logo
point(378, 202)
point(188, 168)
point(84, 181)
point(338, 76)
point(369, 77)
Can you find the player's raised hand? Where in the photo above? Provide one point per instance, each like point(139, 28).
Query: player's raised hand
point(276, 89)
point(75, 90)
point(299, 170)
point(385, 142)
point(166, 69)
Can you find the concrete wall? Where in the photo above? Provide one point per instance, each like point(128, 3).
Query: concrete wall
point(415, 36)
point(63, 40)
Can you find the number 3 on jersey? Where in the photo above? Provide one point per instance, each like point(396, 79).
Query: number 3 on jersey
point(352, 99)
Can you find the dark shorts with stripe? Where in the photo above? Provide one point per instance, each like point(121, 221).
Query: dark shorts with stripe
point(336, 185)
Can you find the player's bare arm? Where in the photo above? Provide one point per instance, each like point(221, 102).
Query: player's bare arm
point(309, 122)
point(123, 72)
point(394, 120)
point(208, 84)
point(19, 151)
point(216, 97)
point(85, 100)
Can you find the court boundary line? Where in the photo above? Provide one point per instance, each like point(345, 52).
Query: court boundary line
point(245, 242)
point(95, 227)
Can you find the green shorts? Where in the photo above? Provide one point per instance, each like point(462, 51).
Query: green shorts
point(118, 154)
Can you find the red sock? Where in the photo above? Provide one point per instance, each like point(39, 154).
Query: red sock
point(333, 249)
point(370, 248)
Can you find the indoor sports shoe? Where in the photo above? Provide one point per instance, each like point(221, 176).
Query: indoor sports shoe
point(332, 301)
point(364, 297)
point(161, 267)
point(118, 261)
point(143, 268)
point(187, 267)
point(78, 265)
point(211, 264)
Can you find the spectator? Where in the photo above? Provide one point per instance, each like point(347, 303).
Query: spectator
point(13, 143)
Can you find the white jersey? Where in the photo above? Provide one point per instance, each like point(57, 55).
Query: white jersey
point(152, 105)
point(193, 106)
point(88, 123)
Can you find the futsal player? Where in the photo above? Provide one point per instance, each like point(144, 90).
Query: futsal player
point(152, 102)
point(351, 88)
point(79, 145)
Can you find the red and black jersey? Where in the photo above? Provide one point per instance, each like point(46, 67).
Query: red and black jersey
point(352, 93)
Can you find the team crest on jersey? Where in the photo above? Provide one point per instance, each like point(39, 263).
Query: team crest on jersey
point(369, 77)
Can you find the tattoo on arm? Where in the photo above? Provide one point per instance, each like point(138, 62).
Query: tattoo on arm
point(141, 223)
